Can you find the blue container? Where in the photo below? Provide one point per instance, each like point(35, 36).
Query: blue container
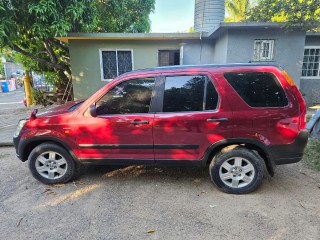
point(5, 87)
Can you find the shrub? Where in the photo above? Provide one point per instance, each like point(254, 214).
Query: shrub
point(37, 97)
point(311, 156)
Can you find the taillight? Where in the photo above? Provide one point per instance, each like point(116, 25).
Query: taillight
point(288, 127)
point(302, 104)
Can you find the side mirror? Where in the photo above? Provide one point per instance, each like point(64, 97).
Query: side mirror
point(93, 110)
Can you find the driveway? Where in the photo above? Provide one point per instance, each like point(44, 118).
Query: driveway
point(140, 202)
point(11, 110)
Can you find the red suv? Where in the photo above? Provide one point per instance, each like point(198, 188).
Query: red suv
point(235, 118)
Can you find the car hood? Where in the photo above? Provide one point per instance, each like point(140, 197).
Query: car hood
point(64, 108)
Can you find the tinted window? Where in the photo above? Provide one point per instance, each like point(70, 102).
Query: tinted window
point(133, 96)
point(211, 96)
point(186, 93)
point(258, 89)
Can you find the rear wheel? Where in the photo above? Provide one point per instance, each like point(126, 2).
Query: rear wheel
point(50, 164)
point(237, 170)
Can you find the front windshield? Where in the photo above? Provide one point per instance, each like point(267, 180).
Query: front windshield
point(76, 106)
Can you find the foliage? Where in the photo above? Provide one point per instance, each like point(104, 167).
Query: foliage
point(237, 10)
point(37, 97)
point(312, 155)
point(29, 27)
point(2, 69)
point(304, 14)
point(123, 15)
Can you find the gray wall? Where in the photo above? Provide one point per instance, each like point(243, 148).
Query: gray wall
point(313, 40)
point(198, 52)
point(221, 49)
point(288, 49)
point(310, 88)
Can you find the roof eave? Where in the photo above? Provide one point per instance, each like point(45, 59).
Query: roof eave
point(224, 26)
point(129, 36)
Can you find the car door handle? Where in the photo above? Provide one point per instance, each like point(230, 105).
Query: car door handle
point(217, 119)
point(139, 122)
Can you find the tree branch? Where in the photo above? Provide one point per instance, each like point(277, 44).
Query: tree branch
point(40, 60)
point(58, 44)
point(50, 51)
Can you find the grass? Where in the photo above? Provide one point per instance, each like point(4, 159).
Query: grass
point(308, 117)
point(311, 156)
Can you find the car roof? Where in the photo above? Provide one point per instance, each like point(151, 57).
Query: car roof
point(184, 67)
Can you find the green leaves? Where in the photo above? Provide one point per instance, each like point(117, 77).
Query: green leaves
point(238, 9)
point(29, 27)
point(303, 14)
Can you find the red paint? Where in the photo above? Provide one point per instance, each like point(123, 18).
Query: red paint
point(270, 126)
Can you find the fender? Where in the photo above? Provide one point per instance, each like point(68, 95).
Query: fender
point(24, 145)
point(262, 149)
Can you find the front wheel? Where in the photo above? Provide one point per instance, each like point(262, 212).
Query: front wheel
point(237, 170)
point(51, 164)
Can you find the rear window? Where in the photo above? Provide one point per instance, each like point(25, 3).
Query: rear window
point(258, 89)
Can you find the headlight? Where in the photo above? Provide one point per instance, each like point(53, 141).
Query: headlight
point(19, 127)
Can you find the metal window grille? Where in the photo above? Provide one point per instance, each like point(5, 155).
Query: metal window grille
point(115, 63)
point(311, 62)
point(263, 50)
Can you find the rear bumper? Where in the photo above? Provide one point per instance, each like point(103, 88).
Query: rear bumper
point(289, 153)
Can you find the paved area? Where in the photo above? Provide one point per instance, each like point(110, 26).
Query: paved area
point(138, 202)
point(11, 110)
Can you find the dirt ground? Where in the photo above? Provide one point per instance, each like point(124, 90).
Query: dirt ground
point(155, 203)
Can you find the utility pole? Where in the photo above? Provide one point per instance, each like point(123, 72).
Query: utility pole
point(27, 87)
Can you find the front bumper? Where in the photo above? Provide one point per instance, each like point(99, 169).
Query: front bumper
point(16, 141)
point(289, 153)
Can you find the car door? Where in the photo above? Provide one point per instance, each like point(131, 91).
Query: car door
point(122, 129)
point(192, 117)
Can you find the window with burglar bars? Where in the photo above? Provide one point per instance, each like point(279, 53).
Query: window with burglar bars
point(311, 62)
point(263, 50)
point(115, 63)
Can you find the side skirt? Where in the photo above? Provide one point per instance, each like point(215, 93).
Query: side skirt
point(161, 162)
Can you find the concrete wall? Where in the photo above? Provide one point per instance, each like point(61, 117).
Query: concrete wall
point(288, 49)
point(85, 59)
point(231, 47)
point(310, 87)
point(198, 52)
point(221, 49)
point(313, 40)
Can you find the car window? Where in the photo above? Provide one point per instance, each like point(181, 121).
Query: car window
point(186, 93)
point(258, 89)
point(212, 97)
point(132, 96)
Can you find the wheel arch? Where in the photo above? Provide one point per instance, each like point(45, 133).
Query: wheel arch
point(250, 144)
point(29, 144)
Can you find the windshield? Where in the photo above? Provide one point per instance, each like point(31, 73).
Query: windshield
point(74, 107)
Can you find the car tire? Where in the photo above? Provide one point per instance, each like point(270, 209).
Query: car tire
point(51, 164)
point(237, 170)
